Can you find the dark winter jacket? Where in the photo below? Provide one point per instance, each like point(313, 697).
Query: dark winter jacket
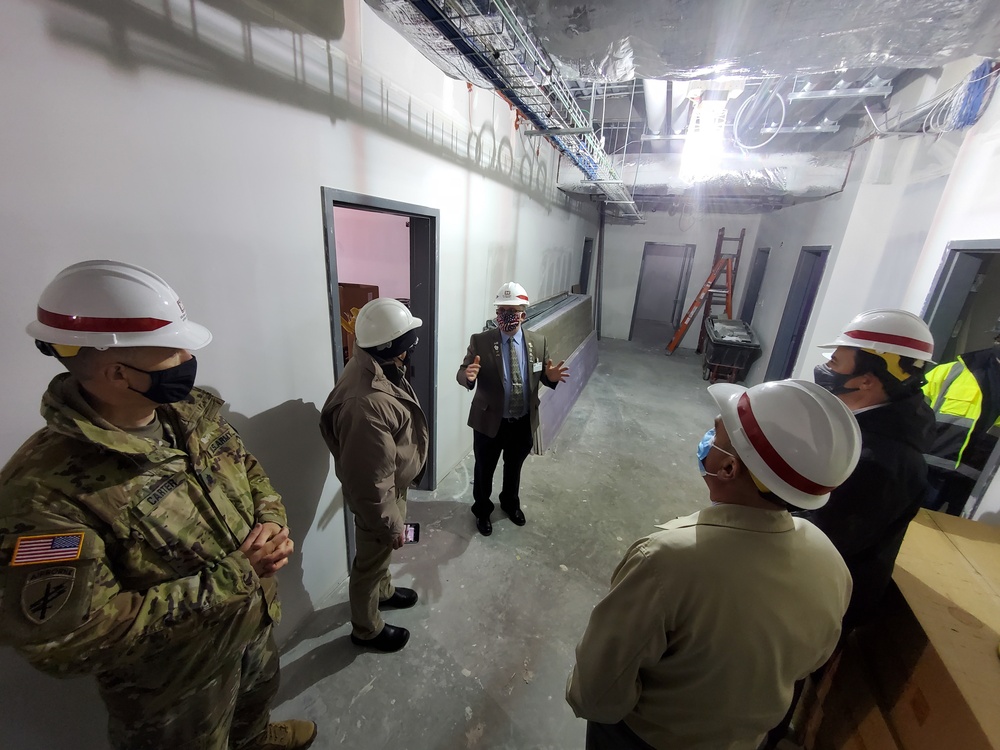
point(866, 517)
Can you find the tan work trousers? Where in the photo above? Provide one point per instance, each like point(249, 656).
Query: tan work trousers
point(371, 581)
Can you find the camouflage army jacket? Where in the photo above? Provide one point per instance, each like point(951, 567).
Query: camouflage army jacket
point(115, 548)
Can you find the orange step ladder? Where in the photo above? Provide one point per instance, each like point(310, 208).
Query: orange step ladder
point(726, 263)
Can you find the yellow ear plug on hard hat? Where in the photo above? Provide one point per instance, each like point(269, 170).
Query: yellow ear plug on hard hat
point(891, 364)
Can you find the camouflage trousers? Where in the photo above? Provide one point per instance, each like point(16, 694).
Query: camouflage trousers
point(371, 581)
point(220, 704)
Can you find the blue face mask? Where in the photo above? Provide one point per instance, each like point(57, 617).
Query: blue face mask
point(704, 447)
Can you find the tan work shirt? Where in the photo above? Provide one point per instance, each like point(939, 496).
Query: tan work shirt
point(707, 627)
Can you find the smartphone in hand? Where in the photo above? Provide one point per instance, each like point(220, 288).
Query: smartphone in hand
point(411, 533)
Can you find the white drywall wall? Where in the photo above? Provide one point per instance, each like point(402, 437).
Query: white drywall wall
point(209, 173)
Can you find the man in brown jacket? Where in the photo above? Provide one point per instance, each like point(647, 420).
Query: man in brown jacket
point(378, 435)
point(505, 366)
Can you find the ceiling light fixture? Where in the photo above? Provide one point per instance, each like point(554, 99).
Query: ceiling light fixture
point(701, 158)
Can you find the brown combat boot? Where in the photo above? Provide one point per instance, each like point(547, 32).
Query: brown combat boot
point(286, 735)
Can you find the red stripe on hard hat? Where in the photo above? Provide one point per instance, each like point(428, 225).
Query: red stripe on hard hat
point(523, 296)
point(767, 452)
point(99, 325)
point(889, 338)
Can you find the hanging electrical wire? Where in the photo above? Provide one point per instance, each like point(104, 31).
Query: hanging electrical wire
point(737, 120)
point(958, 108)
point(964, 103)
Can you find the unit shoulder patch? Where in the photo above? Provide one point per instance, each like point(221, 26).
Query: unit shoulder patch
point(45, 592)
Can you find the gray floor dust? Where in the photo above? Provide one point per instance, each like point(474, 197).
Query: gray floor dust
point(498, 619)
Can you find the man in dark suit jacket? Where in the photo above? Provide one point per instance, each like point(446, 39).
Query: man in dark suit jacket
point(507, 364)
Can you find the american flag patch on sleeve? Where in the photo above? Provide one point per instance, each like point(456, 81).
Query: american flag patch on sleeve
point(31, 550)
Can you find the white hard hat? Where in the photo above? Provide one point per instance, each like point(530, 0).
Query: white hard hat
point(512, 294)
point(106, 303)
point(796, 438)
point(382, 320)
point(888, 332)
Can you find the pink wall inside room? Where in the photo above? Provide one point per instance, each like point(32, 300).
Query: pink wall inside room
point(373, 248)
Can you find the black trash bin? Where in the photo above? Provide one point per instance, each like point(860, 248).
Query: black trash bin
point(730, 348)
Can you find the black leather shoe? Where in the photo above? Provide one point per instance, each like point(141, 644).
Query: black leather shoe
point(390, 639)
point(401, 599)
point(516, 516)
point(484, 526)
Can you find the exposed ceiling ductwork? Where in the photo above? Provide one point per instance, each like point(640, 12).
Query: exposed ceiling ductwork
point(726, 79)
point(624, 39)
point(738, 182)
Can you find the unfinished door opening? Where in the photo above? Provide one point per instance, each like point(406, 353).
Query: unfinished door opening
point(588, 249)
point(384, 248)
point(798, 309)
point(961, 311)
point(374, 248)
point(664, 275)
point(964, 302)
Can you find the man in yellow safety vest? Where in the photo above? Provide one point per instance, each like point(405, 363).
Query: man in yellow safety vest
point(965, 396)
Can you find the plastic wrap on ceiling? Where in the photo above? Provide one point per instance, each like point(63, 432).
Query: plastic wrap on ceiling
point(622, 39)
point(618, 40)
point(752, 175)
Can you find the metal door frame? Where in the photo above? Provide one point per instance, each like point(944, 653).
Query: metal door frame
point(760, 254)
point(943, 276)
point(931, 306)
point(687, 260)
point(805, 310)
point(424, 274)
point(585, 263)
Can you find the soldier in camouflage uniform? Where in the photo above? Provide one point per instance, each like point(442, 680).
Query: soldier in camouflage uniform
point(138, 537)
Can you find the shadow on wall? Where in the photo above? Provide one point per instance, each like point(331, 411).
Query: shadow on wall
point(990, 517)
point(557, 272)
point(446, 530)
point(302, 71)
point(500, 270)
point(287, 442)
point(38, 711)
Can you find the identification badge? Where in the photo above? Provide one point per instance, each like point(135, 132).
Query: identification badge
point(536, 367)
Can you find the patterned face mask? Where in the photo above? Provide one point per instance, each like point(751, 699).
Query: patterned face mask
point(508, 320)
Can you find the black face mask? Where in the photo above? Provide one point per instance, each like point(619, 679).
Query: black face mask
point(835, 382)
point(170, 385)
point(393, 372)
point(408, 363)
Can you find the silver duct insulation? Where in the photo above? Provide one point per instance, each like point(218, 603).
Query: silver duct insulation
point(620, 40)
point(754, 178)
point(686, 39)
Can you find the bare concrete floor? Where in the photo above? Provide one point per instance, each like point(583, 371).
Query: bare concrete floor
point(494, 632)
